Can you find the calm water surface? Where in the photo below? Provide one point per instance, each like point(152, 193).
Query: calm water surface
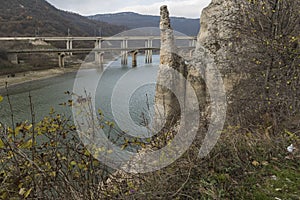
point(50, 93)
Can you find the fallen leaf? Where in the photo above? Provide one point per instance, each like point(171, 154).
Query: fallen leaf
point(274, 178)
point(22, 191)
point(27, 193)
point(265, 163)
point(255, 163)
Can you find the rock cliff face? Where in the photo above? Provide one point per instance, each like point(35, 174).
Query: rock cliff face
point(201, 72)
point(168, 108)
point(167, 105)
point(216, 25)
point(219, 35)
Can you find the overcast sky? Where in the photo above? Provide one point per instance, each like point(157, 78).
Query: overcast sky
point(181, 8)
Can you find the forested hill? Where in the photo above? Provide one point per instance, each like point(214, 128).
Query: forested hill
point(38, 17)
point(134, 20)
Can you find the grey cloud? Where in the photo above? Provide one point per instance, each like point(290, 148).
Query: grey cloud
point(184, 8)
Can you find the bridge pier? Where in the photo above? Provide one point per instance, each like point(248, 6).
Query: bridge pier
point(98, 44)
point(148, 53)
point(192, 43)
point(134, 58)
point(70, 46)
point(124, 54)
point(99, 59)
point(61, 60)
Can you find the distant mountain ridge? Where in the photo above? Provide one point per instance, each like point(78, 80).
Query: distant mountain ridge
point(134, 20)
point(38, 17)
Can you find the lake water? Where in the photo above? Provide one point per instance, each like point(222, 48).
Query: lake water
point(50, 92)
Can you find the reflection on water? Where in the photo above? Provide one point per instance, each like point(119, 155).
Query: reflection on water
point(50, 93)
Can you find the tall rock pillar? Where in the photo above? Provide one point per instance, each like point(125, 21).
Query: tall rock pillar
point(167, 108)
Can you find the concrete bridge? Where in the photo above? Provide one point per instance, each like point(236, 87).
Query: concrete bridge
point(98, 49)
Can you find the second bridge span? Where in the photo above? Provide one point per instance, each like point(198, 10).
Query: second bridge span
point(123, 45)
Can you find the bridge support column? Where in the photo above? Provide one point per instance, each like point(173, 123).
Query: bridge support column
point(192, 43)
point(99, 59)
point(134, 58)
point(70, 46)
point(124, 54)
point(98, 44)
point(61, 60)
point(98, 54)
point(13, 58)
point(148, 53)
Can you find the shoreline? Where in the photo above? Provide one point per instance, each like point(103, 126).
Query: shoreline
point(36, 75)
point(24, 77)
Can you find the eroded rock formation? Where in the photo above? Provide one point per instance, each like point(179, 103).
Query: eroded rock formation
point(219, 34)
point(216, 25)
point(167, 105)
point(195, 72)
point(168, 108)
point(201, 72)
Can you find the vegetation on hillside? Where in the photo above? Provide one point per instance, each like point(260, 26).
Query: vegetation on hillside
point(47, 160)
point(39, 18)
point(270, 33)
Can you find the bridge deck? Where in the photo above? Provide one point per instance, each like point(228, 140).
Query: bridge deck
point(117, 38)
point(86, 50)
point(97, 50)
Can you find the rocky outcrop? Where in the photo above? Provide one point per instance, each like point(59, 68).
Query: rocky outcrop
point(200, 76)
point(219, 34)
point(195, 72)
point(167, 105)
point(216, 25)
point(175, 76)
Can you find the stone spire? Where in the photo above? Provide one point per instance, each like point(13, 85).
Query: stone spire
point(168, 47)
point(167, 106)
point(193, 73)
point(164, 18)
